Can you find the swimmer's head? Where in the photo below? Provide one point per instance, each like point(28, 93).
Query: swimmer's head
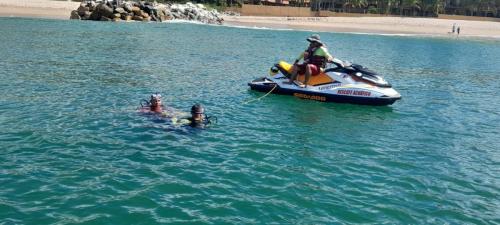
point(197, 109)
point(197, 112)
point(155, 100)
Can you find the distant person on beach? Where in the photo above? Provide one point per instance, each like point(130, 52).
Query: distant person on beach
point(453, 28)
point(458, 30)
point(314, 59)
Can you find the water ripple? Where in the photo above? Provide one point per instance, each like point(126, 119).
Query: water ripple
point(75, 150)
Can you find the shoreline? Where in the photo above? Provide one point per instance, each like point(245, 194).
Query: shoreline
point(396, 26)
point(402, 26)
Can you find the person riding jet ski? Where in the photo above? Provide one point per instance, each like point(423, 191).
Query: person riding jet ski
point(314, 58)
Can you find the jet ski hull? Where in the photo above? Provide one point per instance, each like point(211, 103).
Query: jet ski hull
point(304, 93)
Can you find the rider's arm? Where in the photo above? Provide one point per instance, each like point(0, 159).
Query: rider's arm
point(324, 52)
point(301, 56)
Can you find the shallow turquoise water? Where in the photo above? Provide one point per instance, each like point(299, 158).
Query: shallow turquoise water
point(74, 150)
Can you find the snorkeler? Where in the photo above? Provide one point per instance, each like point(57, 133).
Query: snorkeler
point(154, 105)
point(197, 119)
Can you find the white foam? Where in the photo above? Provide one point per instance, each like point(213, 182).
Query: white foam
point(256, 27)
point(183, 21)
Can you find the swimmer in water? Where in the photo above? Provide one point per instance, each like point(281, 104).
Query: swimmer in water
point(198, 118)
point(154, 105)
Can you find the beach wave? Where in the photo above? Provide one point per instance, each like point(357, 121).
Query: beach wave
point(258, 27)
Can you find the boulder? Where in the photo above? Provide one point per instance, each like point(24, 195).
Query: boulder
point(128, 7)
point(92, 5)
point(85, 16)
point(119, 10)
point(116, 19)
point(74, 15)
point(165, 18)
point(95, 15)
point(82, 9)
point(155, 18)
point(126, 17)
point(105, 19)
point(137, 18)
point(136, 10)
point(105, 10)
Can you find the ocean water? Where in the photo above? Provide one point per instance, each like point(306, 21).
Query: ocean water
point(74, 150)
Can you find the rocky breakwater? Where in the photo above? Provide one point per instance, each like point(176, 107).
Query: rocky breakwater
point(145, 11)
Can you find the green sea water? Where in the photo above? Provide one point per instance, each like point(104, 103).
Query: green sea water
point(74, 150)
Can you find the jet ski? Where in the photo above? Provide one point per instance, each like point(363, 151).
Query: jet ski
point(342, 82)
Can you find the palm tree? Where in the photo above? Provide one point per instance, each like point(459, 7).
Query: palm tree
point(389, 5)
point(359, 3)
point(355, 4)
point(413, 4)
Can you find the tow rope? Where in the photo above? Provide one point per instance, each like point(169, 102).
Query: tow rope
point(259, 98)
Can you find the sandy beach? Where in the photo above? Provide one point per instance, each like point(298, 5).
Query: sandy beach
point(37, 8)
point(378, 25)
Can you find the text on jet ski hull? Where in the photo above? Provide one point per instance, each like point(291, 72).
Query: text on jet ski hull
point(353, 92)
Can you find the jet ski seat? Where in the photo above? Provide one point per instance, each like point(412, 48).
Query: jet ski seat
point(315, 80)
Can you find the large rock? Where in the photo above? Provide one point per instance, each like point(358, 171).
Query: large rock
point(74, 15)
point(82, 9)
point(104, 10)
point(126, 17)
point(106, 19)
point(137, 18)
point(95, 15)
point(128, 7)
point(86, 16)
point(120, 10)
point(136, 10)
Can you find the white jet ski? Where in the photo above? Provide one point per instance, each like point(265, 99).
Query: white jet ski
point(344, 83)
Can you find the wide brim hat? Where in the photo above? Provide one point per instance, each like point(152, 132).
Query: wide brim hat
point(314, 38)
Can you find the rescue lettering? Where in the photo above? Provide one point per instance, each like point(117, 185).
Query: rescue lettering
point(354, 92)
